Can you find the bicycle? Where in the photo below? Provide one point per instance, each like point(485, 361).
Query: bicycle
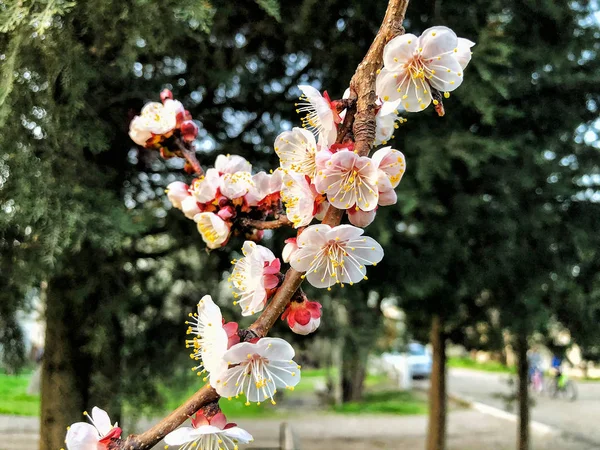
point(562, 386)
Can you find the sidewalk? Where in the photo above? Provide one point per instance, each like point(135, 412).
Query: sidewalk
point(467, 430)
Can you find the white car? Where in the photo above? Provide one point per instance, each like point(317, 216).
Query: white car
point(419, 360)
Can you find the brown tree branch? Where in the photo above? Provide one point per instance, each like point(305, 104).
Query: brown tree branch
point(190, 156)
point(282, 221)
point(362, 121)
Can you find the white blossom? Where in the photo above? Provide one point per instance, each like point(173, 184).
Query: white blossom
point(204, 188)
point(412, 65)
point(154, 119)
point(177, 191)
point(299, 198)
point(232, 164)
point(214, 230)
point(349, 181)
point(236, 185)
point(94, 436)
point(189, 206)
point(263, 185)
point(252, 276)
point(258, 369)
point(213, 434)
point(321, 116)
point(391, 165)
point(210, 339)
point(296, 150)
point(334, 255)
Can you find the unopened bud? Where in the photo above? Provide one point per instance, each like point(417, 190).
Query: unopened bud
point(166, 94)
point(303, 317)
point(189, 131)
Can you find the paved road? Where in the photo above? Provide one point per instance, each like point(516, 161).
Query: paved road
point(578, 419)
point(467, 430)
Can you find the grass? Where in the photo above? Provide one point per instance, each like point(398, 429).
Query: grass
point(388, 402)
point(487, 366)
point(14, 399)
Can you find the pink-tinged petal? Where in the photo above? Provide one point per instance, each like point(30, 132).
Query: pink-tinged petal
point(448, 72)
point(199, 420)
point(219, 420)
point(275, 349)
point(399, 51)
point(238, 434)
point(436, 41)
point(314, 308)
point(388, 198)
point(273, 267)
point(82, 436)
point(177, 191)
point(302, 316)
point(463, 55)
point(361, 218)
point(271, 281)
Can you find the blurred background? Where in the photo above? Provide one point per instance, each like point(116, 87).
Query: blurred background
point(492, 251)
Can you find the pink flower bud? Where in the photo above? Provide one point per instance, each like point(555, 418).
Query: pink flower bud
point(290, 247)
point(226, 213)
point(189, 131)
point(303, 317)
point(166, 94)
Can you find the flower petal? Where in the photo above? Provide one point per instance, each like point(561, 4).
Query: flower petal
point(238, 434)
point(436, 41)
point(275, 348)
point(181, 436)
point(82, 436)
point(399, 51)
point(101, 421)
point(463, 55)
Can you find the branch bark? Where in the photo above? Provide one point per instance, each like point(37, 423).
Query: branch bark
point(361, 119)
point(190, 157)
point(282, 221)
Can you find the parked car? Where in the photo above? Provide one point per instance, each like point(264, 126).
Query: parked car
point(419, 360)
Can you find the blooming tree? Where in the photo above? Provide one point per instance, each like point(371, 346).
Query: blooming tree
point(325, 171)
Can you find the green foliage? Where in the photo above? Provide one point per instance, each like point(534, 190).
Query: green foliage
point(387, 402)
point(14, 399)
point(271, 7)
point(487, 366)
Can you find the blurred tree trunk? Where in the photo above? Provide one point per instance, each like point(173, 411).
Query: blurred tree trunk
point(354, 371)
point(436, 431)
point(523, 393)
point(66, 367)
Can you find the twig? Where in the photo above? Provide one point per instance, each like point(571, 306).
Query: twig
point(362, 88)
point(190, 157)
point(282, 221)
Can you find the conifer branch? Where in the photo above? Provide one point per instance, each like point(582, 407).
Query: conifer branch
point(360, 118)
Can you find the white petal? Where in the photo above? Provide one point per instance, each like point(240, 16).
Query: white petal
point(313, 235)
point(212, 228)
point(463, 55)
point(232, 164)
point(238, 434)
point(189, 207)
point(367, 250)
point(436, 41)
point(236, 185)
point(387, 83)
point(275, 348)
point(390, 107)
point(285, 373)
point(181, 436)
point(82, 436)
point(344, 232)
point(101, 421)
point(399, 51)
point(238, 353)
point(296, 150)
point(448, 72)
point(415, 93)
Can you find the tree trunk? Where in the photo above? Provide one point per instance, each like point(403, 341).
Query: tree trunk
point(353, 372)
point(65, 367)
point(523, 393)
point(436, 431)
